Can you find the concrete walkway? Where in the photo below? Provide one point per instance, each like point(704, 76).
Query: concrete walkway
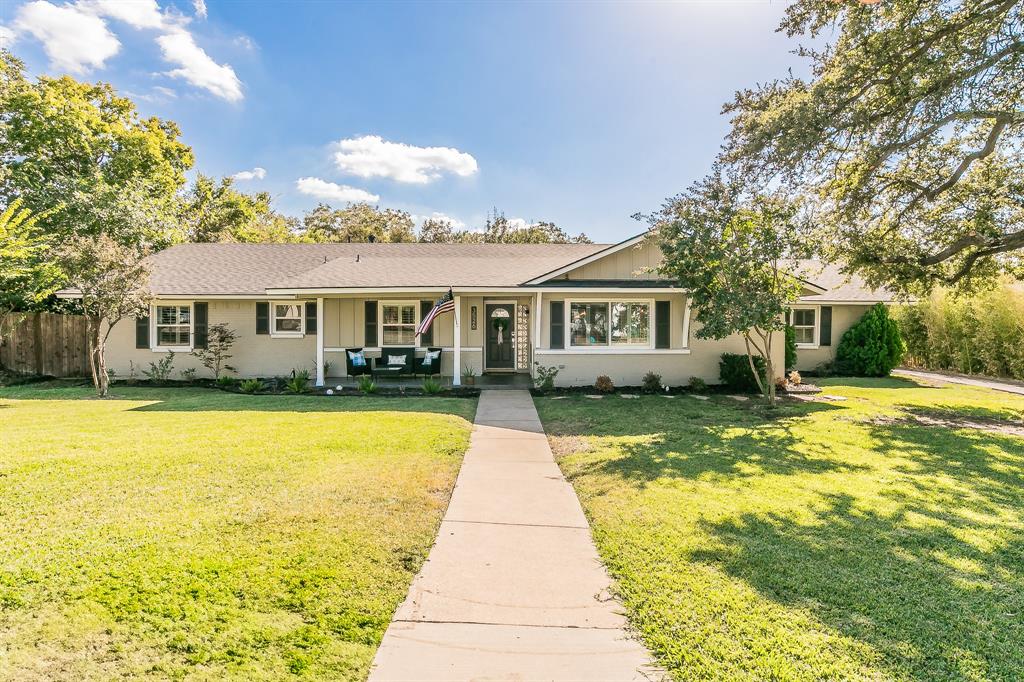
point(513, 588)
point(995, 384)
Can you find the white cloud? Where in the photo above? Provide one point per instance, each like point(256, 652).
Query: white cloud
point(455, 222)
point(244, 42)
point(135, 13)
point(179, 47)
point(332, 191)
point(256, 173)
point(74, 40)
point(200, 8)
point(370, 156)
point(7, 37)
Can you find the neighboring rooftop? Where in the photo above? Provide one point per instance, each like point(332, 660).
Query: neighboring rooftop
point(839, 286)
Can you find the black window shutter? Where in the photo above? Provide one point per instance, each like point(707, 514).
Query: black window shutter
point(311, 320)
point(142, 332)
point(662, 324)
point(370, 319)
point(558, 324)
point(428, 336)
point(263, 318)
point(202, 324)
point(826, 325)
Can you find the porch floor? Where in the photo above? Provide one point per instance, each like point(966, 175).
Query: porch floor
point(485, 382)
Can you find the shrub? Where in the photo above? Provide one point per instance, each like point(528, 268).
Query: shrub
point(734, 371)
point(698, 385)
point(652, 382)
point(795, 378)
point(431, 386)
point(298, 382)
point(365, 385)
point(189, 374)
point(790, 346)
point(978, 334)
point(604, 384)
point(160, 371)
point(225, 381)
point(872, 346)
point(249, 386)
point(219, 339)
point(545, 379)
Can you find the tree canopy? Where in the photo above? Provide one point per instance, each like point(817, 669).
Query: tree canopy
point(212, 211)
point(359, 222)
point(80, 147)
point(729, 249)
point(906, 137)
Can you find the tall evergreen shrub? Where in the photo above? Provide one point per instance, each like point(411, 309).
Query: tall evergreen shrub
point(872, 346)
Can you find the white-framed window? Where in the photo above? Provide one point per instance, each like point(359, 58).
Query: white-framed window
point(616, 324)
point(172, 327)
point(286, 318)
point(805, 325)
point(398, 321)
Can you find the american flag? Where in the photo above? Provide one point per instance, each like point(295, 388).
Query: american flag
point(444, 304)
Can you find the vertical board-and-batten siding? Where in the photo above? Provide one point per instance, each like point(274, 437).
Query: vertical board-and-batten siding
point(46, 343)
point(633, 262)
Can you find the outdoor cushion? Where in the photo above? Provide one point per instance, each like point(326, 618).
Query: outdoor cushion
point(430, 356)
point(396, 359)
point(358, 359)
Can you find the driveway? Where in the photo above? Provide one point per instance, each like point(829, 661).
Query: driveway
point(513, 587)
point(966, 381)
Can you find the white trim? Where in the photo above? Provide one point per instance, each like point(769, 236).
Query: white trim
point(398, 302)
point(457, 361)
point(153, 346)
point(650, 324)
point(817, 325)
point(377, 349)
point(804, 301)
point(319, 341)
point(576, 264)
point(521, 290)
point(511, 336)
point(302, 320)
point(604, 350)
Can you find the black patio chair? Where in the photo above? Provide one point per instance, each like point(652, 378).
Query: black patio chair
point(357, 370)
point(428, 367)
point(384, 367)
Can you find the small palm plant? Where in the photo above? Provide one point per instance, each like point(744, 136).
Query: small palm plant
point(366, 385)
point(431, 386)
point(251, 386)
point(299, 381)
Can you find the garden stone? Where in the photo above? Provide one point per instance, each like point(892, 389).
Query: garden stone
point(330, 392)
point(630, 396)
point(595, 397)
point(670, 397)
point(838, 398)
point(740, 398)
point(698, 397)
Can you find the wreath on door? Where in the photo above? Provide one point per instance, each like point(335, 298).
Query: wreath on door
point(500, 325)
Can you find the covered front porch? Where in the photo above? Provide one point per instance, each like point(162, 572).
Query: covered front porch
point(489, 336)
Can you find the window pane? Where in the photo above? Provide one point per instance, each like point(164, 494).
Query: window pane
point(589, 324)
point(803, 318)
point(287, 325)
point(183, 314)
point(805, 335)
point(287, 311)
point(630, 322)
point(172, 336)
point(167, 314)
point(408, 314)
point(390, 314)
point(399, 335)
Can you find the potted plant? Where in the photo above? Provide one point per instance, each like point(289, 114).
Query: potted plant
point(469, 376)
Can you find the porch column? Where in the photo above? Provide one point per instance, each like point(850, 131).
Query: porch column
point(457, 315)
point(537, 308)
point(686, 323)
point(320, 342)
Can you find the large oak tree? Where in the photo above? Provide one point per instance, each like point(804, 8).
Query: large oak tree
point(907, 136)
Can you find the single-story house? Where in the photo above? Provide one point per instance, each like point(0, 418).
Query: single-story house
point(588, 309)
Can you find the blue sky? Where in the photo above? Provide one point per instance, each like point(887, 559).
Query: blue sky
point(581, 114)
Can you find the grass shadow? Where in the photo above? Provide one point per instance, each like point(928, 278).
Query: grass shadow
point(869, 382)
point(655, 439)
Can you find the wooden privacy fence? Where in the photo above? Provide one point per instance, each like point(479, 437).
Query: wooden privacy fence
point(46, 343)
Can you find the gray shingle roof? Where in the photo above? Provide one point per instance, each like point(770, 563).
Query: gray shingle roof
point(839, 287)
point(193, 270)
point(251, 269)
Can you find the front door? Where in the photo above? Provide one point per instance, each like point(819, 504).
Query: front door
point(500, 319)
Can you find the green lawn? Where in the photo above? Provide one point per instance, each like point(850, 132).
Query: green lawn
point(190, 533)
point(864, 539)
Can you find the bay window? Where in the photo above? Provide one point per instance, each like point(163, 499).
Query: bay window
point(610, 323)
point(398, 322)
point(173, 325)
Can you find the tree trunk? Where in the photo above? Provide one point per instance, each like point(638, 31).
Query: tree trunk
point(91, 339)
